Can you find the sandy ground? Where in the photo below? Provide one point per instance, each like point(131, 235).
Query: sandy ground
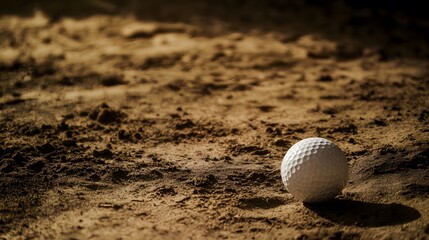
point(148, 120)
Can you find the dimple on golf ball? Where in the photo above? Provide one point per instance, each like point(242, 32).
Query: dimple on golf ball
point(314, 170)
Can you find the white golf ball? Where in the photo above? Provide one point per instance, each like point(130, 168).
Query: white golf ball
point(314, 170)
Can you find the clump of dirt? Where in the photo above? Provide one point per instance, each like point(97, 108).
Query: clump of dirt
point(105, 115)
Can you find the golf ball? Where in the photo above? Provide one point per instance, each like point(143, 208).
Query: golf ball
point(314, 169)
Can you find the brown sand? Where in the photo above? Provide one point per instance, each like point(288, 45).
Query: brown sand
point(157, 120)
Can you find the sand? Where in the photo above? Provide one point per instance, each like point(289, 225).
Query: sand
point(169, 120)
